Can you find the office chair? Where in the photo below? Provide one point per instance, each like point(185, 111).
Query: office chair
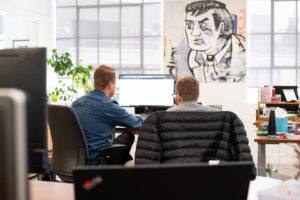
point(112, 155)
point(69, 144)
point(189, 137)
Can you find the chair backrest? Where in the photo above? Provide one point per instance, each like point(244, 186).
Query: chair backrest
point(173, 137)
point(69, 144)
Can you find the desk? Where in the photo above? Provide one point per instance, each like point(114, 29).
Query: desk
point(120, 129)
point(262, 141)
point(65, 191)
point(42, 190)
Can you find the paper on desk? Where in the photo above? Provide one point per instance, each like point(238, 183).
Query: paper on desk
point(280, 112)
point(261, 184)
point(288, 190)
point(293, 137)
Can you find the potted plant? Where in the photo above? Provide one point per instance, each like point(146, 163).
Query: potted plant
point(72, 80)
point(270, 169)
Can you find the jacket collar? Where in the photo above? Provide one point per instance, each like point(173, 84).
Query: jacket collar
point(98, 92)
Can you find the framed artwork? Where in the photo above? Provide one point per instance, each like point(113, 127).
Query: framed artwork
point(24, 43)
point(205, 39)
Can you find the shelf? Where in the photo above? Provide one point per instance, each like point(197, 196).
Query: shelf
point(293, 117)
point(280, 102)
point(266, 119)
point(277, 140)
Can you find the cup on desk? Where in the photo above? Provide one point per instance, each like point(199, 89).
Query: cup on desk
point(281, 125)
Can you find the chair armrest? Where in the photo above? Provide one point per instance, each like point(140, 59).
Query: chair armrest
point(113, 146)
point(113, 154)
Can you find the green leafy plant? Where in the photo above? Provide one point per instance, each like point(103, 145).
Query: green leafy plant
point(73, 80)
point(270, 169)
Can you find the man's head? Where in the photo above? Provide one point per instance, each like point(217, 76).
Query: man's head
point(105, 80)
point(187, 89)
point(207, 22)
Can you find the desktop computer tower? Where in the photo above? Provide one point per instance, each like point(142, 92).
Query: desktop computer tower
point(13, 137)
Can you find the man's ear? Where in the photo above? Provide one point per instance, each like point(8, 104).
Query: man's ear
point(222, 27)
point(110, 84)
point(178, 99)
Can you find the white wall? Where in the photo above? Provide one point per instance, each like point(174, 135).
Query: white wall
point(233, 97)
point(29, 19)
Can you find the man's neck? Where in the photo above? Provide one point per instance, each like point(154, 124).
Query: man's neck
point(105, 92)
point(187, 102)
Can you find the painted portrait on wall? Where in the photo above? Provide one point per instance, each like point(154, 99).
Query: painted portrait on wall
point(206, 39)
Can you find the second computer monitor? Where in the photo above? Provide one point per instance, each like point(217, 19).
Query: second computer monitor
point(146, 90)
point(25, 69)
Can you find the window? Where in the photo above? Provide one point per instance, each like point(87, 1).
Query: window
point(126, 34)
point(273, 42)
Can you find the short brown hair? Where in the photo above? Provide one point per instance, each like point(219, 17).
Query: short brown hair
point(188, 88)
point(103, 75)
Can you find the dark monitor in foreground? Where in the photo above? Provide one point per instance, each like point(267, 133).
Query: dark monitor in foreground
point(13, 167)
point(25, 69)
point(165, 181)
point(146, 90)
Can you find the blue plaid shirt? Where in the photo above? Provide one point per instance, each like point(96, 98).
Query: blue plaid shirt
point(99, 116)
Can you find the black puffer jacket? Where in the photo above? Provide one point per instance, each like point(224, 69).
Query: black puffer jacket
point(186, 137)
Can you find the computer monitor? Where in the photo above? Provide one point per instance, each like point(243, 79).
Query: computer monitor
point(13, 167)
point(165, 181)
point(146, 90)
point(25, 69)
point(284, 90)
point(288, 93)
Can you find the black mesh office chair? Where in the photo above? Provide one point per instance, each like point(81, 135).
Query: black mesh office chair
point(69, 144)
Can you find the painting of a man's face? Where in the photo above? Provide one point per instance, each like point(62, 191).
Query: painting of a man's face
point(201, 32)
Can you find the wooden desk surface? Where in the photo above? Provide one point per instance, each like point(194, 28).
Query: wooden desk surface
point(120, 129)
point(44, 190)
point(267, 140)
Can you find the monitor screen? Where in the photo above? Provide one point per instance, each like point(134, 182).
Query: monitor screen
point(25, 69)
point(288, 93)
point(146, 90)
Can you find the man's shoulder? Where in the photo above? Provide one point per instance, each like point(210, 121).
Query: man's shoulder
point(239, 40)
point(238, 37)
point(90, 99)
point(79, 100)
point(113, 106)
point(173, 108)
point(192, 108)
